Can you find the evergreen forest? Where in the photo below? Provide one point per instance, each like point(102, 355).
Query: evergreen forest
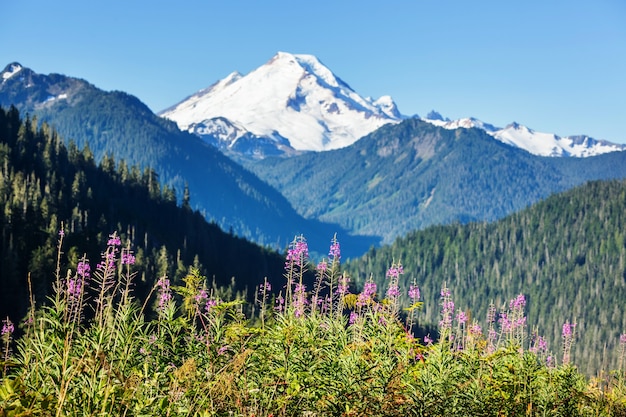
point(120, 301)
point(411, 175)
point(565, 254)
point(46, 187)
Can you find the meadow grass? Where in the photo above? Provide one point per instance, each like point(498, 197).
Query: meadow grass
point(310, 349)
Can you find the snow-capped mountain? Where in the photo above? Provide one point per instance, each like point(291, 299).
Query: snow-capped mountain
point(537, 143)
point(292, 101)
point(10, 71)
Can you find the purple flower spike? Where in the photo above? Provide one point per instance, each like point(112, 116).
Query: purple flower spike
point(393, 291)
point(128, 259)
point(7, 327)
point(114, 240)
point(83, 269)
point(461, 317)
point(335, 250)
point(395, 271)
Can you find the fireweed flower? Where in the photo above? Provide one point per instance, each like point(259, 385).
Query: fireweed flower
point(297, 253)
point(505, 324)
point(114, 240)
point(461, 317)
point(83, 269)
point(165, 293)
point(108, 262)
point(369, 289)
point(568, 340)
point(322, 267)
point(393, 291)
point(395, 271)
point(491, 332)
point(280, 303)
point(74, 288)
point(518, 302)
point(7, 328)
point(447, 312)
point(128, 258)
point(414, 293)
point(335, 250)
point(476, 330)
point(568, 329)
point(210, 303)
point(343, 285)
point(300, 301)
point(428, 340)
point(353, 317)
point(7, 331)
point(542, 344)
point(201, 296)
point(539, 344)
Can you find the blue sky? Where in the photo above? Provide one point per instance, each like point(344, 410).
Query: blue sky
point(554, 66)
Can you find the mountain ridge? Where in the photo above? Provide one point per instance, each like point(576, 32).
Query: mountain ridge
point(537, 143)
point(293, 97)
point(119, 124)
point(413, 174)
point(294, 101)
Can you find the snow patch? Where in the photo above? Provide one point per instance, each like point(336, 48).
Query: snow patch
point(10, 71)
point(537, 143)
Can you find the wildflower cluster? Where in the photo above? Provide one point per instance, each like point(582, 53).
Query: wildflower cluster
point(513, 321)
point(321, 351)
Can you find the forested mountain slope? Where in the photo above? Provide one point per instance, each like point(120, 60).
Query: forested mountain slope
point(412, 175)
point(44, 184)
point(566, 254)
point(118, 124)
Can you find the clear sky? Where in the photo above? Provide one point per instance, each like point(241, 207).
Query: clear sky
point(554, 66)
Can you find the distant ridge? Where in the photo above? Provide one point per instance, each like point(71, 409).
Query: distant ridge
point(294, 103)
point(537, 143)
point(118, 124)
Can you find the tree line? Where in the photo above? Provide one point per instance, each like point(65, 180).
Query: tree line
point(566, 254)
point(46, 185)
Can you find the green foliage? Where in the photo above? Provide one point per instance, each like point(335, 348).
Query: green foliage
point(304, 361)
point(44, 185)
point(120, 125)
point(567, 254)
point(413, 175)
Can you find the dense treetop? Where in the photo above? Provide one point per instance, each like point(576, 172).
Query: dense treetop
point(566, 254)
point(46, 186)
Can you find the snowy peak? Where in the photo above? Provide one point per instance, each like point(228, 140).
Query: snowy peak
point(10, 70)
point(291, 97)
point(537, 143)
point(467, 123)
